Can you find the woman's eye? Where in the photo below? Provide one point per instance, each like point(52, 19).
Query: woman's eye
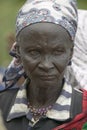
point(34, 53)
point(58, 52)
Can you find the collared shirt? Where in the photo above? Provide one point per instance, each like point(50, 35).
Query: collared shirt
point(60, 110)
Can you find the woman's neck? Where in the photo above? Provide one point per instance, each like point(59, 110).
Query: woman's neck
point(40, 96)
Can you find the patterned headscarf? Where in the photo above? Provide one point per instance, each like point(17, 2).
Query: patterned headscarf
point(61, 12)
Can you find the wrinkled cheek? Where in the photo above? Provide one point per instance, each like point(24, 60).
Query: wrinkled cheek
point(61, 66)
point(29, 66)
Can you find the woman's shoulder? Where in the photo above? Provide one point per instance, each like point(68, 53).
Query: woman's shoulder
point(7, 95)
point(6, 99)
point(8, 92)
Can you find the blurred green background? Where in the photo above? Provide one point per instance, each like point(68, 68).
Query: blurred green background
point(9, 9)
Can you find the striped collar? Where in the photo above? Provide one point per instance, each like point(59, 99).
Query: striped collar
point(60, 110)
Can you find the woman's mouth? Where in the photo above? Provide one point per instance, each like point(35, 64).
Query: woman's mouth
point(47, 77)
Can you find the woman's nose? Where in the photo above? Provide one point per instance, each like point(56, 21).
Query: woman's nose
point(46, 63)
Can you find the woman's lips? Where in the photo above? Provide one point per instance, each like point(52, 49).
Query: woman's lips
point(47, 77)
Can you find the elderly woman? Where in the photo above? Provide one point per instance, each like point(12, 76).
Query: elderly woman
point(2, 70)
point(45, 32)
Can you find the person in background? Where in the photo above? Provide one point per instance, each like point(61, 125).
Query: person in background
point(45, 34)
point(76, 74)
point(79, 59)
point(2, 86)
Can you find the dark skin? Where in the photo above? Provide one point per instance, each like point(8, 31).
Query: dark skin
point(45, 50)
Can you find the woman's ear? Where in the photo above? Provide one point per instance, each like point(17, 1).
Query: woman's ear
point(17, 50)
point(18, 53)
point(71, 54)
point(13, 52)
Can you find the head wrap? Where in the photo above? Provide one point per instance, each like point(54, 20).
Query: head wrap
point(61, 12)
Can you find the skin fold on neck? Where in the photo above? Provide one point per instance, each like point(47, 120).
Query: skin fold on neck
point(43, 96)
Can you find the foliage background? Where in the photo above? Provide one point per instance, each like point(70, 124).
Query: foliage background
point(8, 12)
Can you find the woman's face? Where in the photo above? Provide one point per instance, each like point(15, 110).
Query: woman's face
point(45, 50)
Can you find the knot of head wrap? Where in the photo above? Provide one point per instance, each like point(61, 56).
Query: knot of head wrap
point(62, 12)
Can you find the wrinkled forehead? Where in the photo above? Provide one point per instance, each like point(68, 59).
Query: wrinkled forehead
point(44, 33)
